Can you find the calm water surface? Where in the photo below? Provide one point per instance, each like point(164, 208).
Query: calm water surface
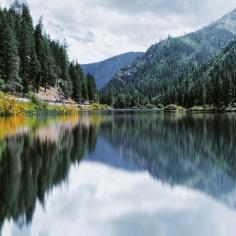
point(123, 173)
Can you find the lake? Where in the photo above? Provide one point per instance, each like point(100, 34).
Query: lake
point(118, 173)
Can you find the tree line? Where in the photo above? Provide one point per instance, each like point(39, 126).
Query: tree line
point(30, 59)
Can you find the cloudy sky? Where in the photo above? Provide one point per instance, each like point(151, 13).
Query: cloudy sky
point(98, 29)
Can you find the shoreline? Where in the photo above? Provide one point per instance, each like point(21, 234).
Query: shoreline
point(12, 106)
point(193, 110)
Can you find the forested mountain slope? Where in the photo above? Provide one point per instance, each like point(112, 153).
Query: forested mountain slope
point(104, 71)
point(151, 77)
point(213, 83)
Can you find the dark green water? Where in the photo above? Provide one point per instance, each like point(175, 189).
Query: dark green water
point(123, 173)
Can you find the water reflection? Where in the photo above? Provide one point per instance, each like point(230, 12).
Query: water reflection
point(36, 158)
point(190, 161)
point(195, 151)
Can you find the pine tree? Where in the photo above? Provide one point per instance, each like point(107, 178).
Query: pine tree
point(26, 47)
point(91, 85)
point(74, 73)
point(120, 102)
point(39, 50)
point(15, 12)
point(48, 65)
point(63, 62)
point(9, 60)
point(84, 90)
point(35, 69)
point(216, 90)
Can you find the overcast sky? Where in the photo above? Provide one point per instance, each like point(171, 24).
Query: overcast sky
point(98, 29)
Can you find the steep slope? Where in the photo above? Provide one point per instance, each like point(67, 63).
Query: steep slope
point(104, 71)
point(171, 60)
point(213, 83)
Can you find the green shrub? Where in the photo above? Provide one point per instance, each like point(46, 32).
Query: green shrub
point(150, 106)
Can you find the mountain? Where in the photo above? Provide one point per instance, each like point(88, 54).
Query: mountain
point(151, 77)
point(104, 71)
point(213, 83)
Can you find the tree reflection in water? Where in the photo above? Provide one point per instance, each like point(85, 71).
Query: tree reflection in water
point(36, 158)
point(197, 152)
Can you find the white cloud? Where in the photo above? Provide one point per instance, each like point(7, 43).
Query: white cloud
point(100, 200)
point(97, 29)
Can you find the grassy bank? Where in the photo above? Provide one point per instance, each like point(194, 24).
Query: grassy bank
point(10, 106)
point(172, 108)
point(211, 109)
point(200, 109)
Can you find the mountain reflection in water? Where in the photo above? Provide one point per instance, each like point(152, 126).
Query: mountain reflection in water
point(193, 153)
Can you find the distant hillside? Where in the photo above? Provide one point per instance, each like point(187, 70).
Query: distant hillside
point(213, 83)
point(150, 79)
point(104, 71)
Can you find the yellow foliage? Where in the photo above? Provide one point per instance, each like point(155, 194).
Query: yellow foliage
point(10, 125)
point(8, 105)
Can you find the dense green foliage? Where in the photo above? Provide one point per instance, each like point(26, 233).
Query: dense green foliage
point(29, 59)
point(213, 83)
point(157, 77)
point(91, 86)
